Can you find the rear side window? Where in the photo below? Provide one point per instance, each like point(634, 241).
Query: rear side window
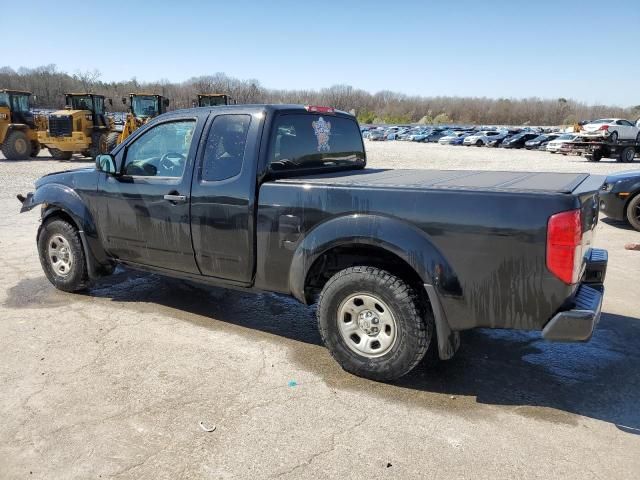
point(310, 142)
point(224, 153)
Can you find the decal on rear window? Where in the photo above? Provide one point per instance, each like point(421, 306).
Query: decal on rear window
point(322, 130)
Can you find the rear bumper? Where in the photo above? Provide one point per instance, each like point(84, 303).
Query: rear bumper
point(578, 323)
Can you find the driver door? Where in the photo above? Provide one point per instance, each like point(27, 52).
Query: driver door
point(147, 207)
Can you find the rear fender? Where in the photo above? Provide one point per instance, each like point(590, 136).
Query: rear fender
point(58, 199)
point(396, 236)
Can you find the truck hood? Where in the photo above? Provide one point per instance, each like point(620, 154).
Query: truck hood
point(626, 175)
point(64, 177)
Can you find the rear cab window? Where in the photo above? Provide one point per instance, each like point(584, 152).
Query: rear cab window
point(308, 143)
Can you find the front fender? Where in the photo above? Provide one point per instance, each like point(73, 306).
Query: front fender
point(60, 198)
point(396, 236)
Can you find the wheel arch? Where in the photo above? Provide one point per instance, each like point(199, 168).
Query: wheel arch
point(59, 201)
point(380, 241)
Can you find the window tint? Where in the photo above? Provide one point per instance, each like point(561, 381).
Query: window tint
point(625, 123)
point(161, 151)
point(224, 153)
point(306, 141)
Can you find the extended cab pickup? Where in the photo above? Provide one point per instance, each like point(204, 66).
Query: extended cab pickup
point(277, 198)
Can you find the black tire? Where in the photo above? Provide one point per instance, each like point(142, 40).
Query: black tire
point(112, 141)
point(16, 146)
point(596, 156)
point(414, 322)
point(59, 154)
point(35, 148)
point(627, 155)
point(613, 138)
point(76, 277)
point(479, 143)
point(98, 144)
point(633, 212)
point(589, 158)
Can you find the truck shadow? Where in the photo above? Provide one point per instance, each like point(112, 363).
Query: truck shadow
point(547, 381)
point(599, 379)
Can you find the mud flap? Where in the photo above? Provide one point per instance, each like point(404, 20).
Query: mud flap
point(27, 202)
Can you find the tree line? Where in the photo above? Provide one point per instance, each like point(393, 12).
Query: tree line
point(49, 84)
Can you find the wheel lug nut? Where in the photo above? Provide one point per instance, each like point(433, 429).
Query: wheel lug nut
point(375, 321)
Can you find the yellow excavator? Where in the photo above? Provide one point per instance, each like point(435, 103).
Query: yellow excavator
point(214, 99)
point(18, 130)
point(82, 127)
point(142, 108)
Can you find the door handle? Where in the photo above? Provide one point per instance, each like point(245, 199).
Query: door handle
point(175, 198)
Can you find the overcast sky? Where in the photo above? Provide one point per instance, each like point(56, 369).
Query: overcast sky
point(584, 50)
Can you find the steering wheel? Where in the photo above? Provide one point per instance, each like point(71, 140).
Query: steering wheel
point(171, 160)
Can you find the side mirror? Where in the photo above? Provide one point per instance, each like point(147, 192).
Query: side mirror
point(165, 102)
point(106, 163)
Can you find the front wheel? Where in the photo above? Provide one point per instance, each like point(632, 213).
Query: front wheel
point(373, 323)
point(633, 212)
point(479, 143)
point(16, 146)
point(62, 257)
point(59, 154)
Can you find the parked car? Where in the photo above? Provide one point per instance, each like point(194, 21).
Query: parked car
point(460, 139)
point(376, 135)
point(540, 141)
point(451, 137)
point(554, 145)
point(279, 199)
point(519, 140)
point(612, 129)
point(620, 197)
point(483, 137)
point(435, 136)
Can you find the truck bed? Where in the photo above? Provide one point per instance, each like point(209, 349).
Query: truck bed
point(542, 182)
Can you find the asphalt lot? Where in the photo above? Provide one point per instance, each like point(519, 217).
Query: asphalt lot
point(113, 383)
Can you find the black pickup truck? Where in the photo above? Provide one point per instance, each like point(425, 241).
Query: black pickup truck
point(277, 198)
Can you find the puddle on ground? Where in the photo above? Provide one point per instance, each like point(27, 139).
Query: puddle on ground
point(513, 370)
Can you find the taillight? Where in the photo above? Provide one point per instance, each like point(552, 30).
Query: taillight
point(564, 245)
point(604, 127)
point(319, 109)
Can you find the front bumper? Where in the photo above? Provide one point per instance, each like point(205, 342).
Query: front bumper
point(578, 323)
point(613, 205)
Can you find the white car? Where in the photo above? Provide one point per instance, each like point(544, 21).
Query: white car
point(482, 138)
point(613, 129)
point(554, 145)
point(446, 140)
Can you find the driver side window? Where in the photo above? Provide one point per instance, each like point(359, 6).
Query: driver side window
point(161, 151)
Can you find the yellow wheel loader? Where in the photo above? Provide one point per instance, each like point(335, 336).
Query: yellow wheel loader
point(214, 99)
point(142, 108)
point(82, 127)
point(18, 135)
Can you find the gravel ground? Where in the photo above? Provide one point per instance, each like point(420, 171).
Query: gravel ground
point(113, 383)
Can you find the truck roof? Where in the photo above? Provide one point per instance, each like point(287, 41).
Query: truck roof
point(540, 182)
point(260, 107)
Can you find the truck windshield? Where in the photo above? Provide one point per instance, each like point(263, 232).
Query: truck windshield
point(213, 101)
point(144, 106)
point(311, 142)
point(81, 102)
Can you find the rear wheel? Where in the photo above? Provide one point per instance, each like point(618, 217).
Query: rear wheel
point(59, 154)
point(627, 155)
point(62, 257)
point(596, 156)
point(373, 323)
point(613, 137)
point(35, 148)
point(98, 144)
point(112, 141)
point(633, 212)
point(16, 146)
